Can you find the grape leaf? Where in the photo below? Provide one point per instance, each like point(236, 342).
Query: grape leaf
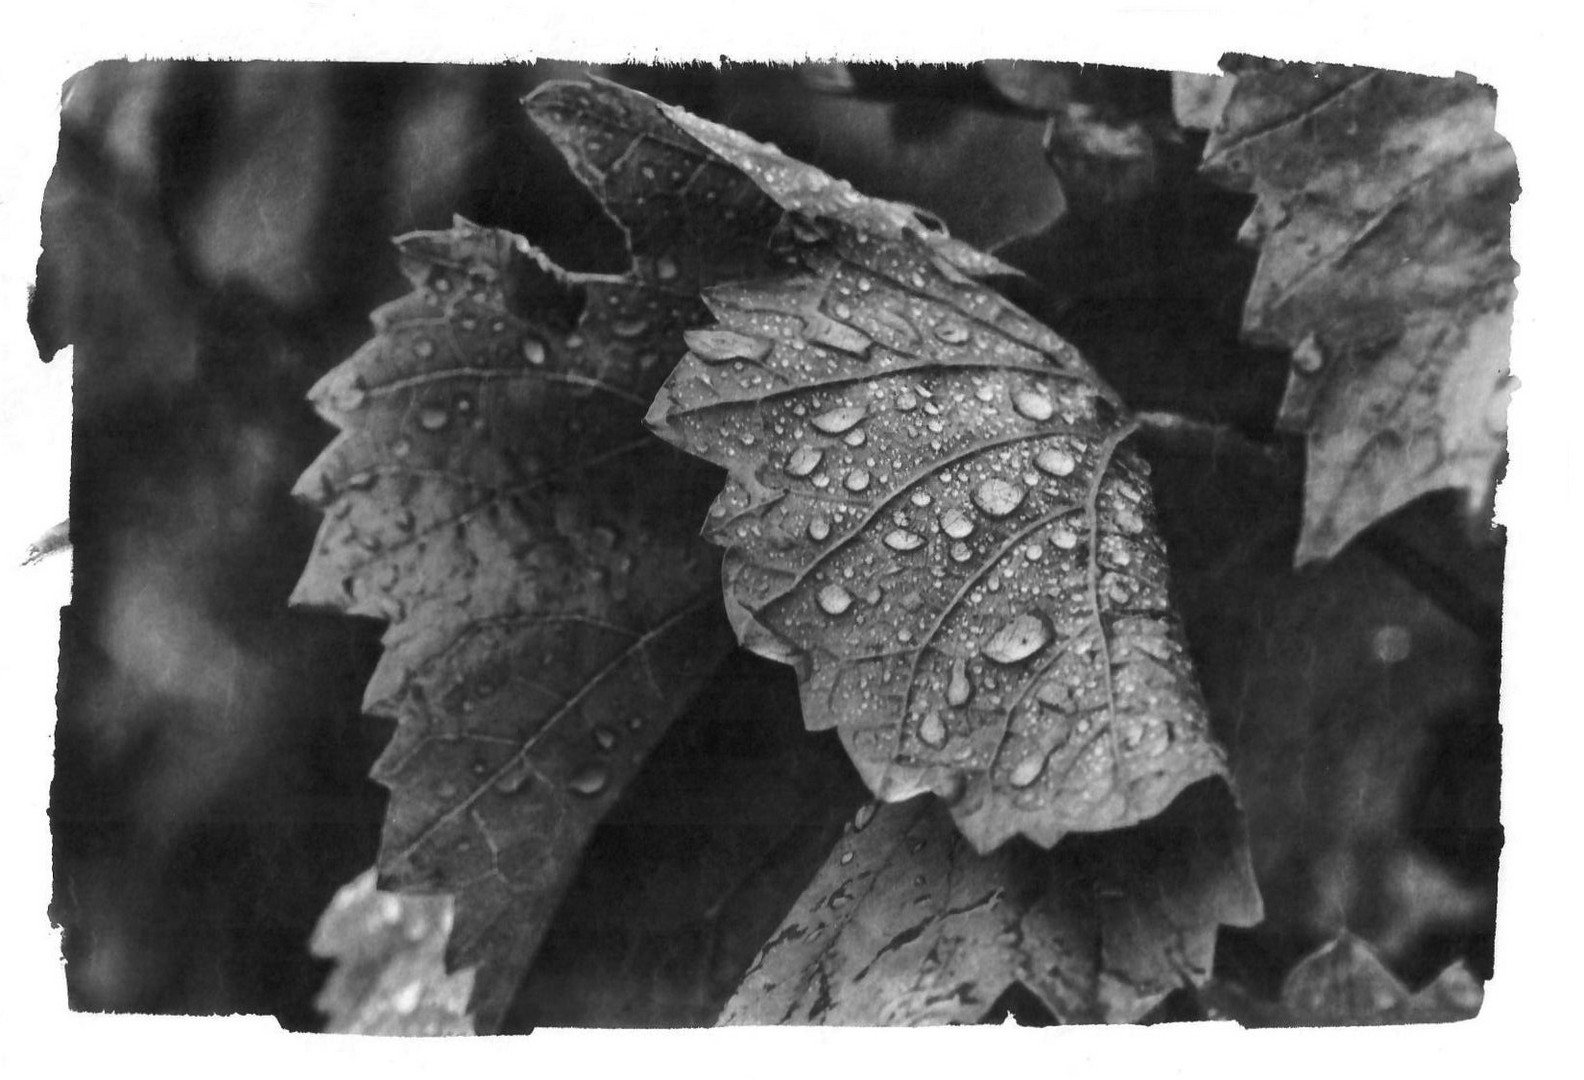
point(494, 496)
point(1383, 220)
point(390, 976)
point(906, 924)
point(1344, 983)
point(930, 512)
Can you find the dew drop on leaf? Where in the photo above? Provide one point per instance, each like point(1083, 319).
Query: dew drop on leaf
point(804, 460)
point(951, 332)
point(903, 540)
point(998, 497)
point(839, 420)
point(1019, 639)
point(723, 346)
point(1027, 771)
point(956, 524)
point(818, 529)
point(932, 729)
point(864, 815)
point(433, 418)
point(1033, 404)
point(590, 780)
point(1055, 461)
point(857, 480)
point(959, 688)
point(834, 600)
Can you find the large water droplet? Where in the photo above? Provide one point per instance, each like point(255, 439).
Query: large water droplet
point(818, 529)
point(907, 401)
point(533, 351)
point(1027, 771)
point(952, 333)
point(833, 599)
point(1033, 404)
point(804, 460)
point(717, 346)
point(857, 480)
point(1019, 639)
point(1064, 538)
point(433, 418)
point(591, 779)
point(932, 730)
point(961, 552)
point(956, 524)
point(959, 688)
point(1055, 461)
point(839, 420)
point(998, 497)
point(864, 816)
point(903, 540)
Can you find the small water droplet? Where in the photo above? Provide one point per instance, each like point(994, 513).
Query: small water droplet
point(959, 688)
point(604, 738)
point(423, 348)
point(630, 328)
point(985, 393)
point(533, 351)
point(833, 599)
point(804, 460)
point(847, 857)
point(1033, 404)
point(818, 529)
point(1064, 538)
point(1019, 639)
point(1055, 461)
point(956, 524)
point(635, 724)
point(839, 420)
point(960, 551)
point(952, 333)
point(1391, 644)
point(920, 498)
point(1129, 521)
point(433, 418)
point(716, 346)
point(1034, 553)
point(590, 780)
point(857, 480)
point(907, 401)
point(401, 448)
point(998, 497)
point(843, 311)
point(932, 730)
point(903, 540)
point(666, 268)
point(515, 779)
point(1309, 357)
point(864, 816)
point(405, 1001)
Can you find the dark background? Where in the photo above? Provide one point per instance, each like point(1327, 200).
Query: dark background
point(214, 237)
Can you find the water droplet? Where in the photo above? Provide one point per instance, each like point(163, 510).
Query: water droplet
point(515, 779)
point(630, 328)
point(903, 540)
point(1027, 771)
point(846, 857)
point(604, 738)
point(961, 552)
point(920, 498)
point(952, 333)
point(433, 418)
point(717, 346)
point(857, 480)
point(843, 311)
point(959, 688)
point(864, 816)
point(855, 437)
point(956, 524)
point(997, 497)
point(1064, 538)
point(401, 448)
point(985, 393)
point(818, 529)
point(1309, 357)
point(1055, 461)
point(804, 460)
point(839, 420)
point(932, 730)
point(1019, 639)
point(833, 599)
point(590, 780)
point(1391, 644)
point(1034, 553)
point(533, 351)
point(907, 401)
point(1033, 404)
point(666, 268)
point(405, 1001)
point(424, 348)
point(635, 724)
point(1129, 521)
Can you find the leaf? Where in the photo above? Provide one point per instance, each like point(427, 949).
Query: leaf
point(494, 496)
point(390, 976)
point(1383, 220)
point(930, 512)
point(1344, 983)
point(906, 924)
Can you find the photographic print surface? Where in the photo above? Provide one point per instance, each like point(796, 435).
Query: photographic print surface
point(823, 544)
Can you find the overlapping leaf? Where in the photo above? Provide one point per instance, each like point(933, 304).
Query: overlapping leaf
point(906, 924)
point(494, 495)
point(1383, 221)
point(390, 976)
point(930, 511)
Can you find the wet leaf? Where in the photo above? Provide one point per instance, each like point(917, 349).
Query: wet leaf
point(390, 976)
point(494, 496)
point(906, 924)
point(931, 513)
point(1344, 983)
point(1383, 220)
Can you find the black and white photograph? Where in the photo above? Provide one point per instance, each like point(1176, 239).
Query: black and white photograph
point(571, 542)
